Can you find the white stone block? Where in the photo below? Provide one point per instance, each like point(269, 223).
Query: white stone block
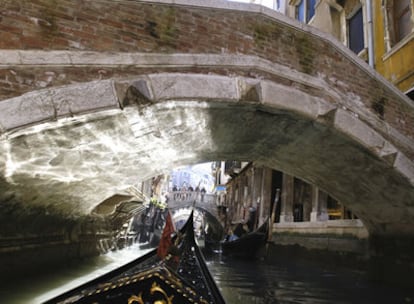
point(39, 106)
point(193, 86)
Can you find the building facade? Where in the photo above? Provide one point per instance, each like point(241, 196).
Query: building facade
point(303, 214)
point(255, 186)
point(394, 47)
point(379, 32)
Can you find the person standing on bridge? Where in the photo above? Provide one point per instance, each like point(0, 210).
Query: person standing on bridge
point(183, 192)
point(175, 189)
point(203, 192)
point(190, 194)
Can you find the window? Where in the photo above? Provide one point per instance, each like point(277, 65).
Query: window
point(402, 19)
point(410, 93)
point(310, 9)
point(305, 10)
point(398, 20)
point(301, 11)
point(356, 32)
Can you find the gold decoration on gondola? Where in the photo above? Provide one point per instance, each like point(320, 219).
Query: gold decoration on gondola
point(136, 299)
point(154, 288)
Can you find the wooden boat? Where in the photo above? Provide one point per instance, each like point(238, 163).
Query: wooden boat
point(247, 245)
point(181, 277)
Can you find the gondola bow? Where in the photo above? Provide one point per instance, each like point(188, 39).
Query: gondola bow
point(181, 277)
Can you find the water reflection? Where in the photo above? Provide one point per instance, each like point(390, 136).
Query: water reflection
point(255, 282)
point(36, 290)
point(288, 282)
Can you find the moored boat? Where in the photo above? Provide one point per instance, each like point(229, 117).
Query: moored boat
point(181, 277)
point(249, 244)
point(246, 245)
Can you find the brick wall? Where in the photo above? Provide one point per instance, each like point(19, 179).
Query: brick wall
point(149, 27)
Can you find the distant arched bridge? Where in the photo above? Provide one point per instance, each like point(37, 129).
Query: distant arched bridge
point(188, 199)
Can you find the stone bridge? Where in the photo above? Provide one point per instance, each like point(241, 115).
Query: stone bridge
point(180, 199)
point(100, 95)
point(181, 204)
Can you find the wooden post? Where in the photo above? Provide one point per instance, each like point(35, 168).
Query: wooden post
point(273, 214)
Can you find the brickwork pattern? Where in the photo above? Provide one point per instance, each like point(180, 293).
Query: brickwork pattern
point(148, 27)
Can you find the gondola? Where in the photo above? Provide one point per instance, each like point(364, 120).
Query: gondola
point(247, 245)
point(180, 277)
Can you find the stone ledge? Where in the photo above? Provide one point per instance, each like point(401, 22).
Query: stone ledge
point(51, 104)
point(10, 58)
point(333, 243)
point(335, 228)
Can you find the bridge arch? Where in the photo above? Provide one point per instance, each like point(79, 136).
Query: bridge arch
point(90, 104)
point(158, 121)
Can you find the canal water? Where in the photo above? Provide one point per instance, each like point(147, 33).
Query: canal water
point(299, 282)
point(240, 281)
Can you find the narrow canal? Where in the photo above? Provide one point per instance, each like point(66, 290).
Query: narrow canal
point(240, 282)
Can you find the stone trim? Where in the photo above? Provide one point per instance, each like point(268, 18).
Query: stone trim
point(97, 96)
point(34, 58)
point(29, 58)
point(51, 104)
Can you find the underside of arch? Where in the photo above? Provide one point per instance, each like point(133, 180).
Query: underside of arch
point(129, 130)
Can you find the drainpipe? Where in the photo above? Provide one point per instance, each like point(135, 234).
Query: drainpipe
point(370, 34)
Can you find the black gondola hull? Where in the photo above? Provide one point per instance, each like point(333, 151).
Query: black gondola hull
point(182, 279)
point(248, 245)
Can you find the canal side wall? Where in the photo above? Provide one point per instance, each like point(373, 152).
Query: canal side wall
point(334, 235)
point(31, 252)
point(346, 244)
point(339, 241)
point(42, 254)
